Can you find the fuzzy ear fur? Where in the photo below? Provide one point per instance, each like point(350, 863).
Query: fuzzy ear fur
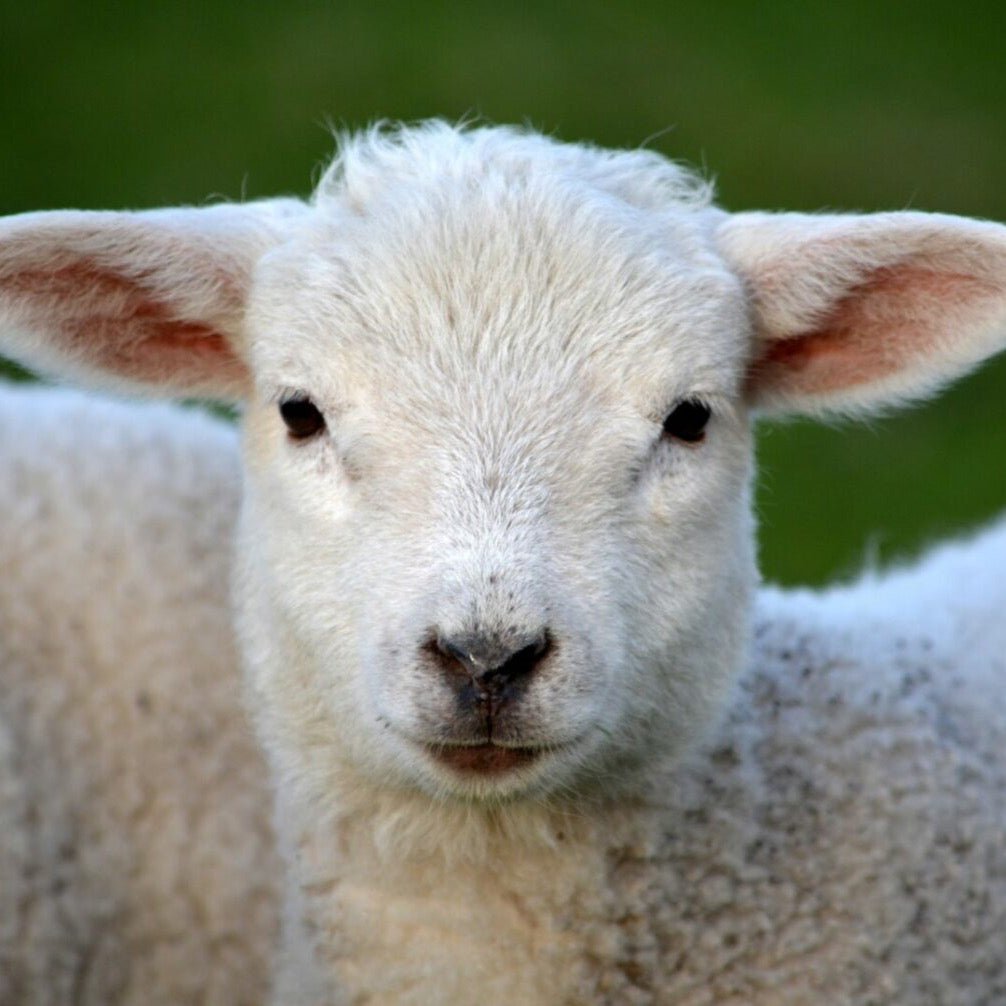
point(153, 299)
point(856, 312)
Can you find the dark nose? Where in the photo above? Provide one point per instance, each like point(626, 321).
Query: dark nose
point(493, 662)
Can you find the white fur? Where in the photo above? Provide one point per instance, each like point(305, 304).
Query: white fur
point(494, 326)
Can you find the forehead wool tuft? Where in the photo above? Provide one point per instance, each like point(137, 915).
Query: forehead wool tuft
point(370, 162)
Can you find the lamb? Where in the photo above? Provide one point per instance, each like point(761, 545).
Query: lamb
point(520, 726)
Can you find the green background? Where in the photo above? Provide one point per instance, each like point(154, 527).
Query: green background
point(807, 105)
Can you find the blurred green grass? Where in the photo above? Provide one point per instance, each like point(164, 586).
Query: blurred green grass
point(818, 105)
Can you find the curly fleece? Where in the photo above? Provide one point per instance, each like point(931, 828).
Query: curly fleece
point(838, 840)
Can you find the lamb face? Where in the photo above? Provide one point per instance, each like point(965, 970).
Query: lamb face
point(492, 569)
point(483, 564)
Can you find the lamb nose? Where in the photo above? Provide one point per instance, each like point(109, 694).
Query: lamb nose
point(492, 662)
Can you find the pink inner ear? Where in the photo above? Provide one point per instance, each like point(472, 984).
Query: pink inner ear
point(113, 323)
point(877, 329)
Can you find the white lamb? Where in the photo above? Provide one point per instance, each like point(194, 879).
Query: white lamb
point(532, 736)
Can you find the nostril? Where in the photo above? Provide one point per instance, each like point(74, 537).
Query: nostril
point(524, 661)
point(461, 653)
point(489, 660)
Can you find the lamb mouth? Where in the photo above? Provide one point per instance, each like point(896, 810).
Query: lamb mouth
point(483, 759)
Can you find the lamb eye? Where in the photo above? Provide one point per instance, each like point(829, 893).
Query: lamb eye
point(687, 421)
point(302, 417)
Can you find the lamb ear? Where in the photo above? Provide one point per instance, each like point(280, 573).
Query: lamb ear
point(856, 312)
point(151, 299)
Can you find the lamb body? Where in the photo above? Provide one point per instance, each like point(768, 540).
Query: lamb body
point(137, 858)
point(823, 828)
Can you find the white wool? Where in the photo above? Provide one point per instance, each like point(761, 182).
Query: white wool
point(533, 734)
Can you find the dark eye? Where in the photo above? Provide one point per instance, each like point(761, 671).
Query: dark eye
point(302, 418)
point(687, 421)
